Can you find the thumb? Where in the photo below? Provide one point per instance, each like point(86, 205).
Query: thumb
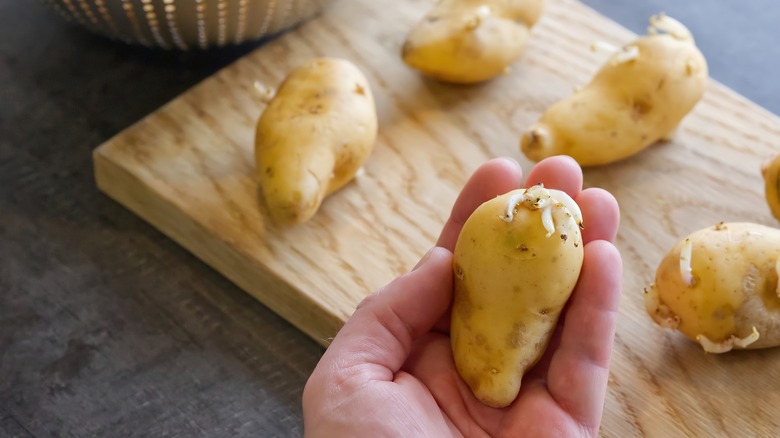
point(385, 324)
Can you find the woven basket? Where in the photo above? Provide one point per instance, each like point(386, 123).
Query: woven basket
point(186, 24)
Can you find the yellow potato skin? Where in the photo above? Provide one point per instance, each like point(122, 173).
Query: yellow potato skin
point(313, 136)
point(511, 282)
point(469, 41)
point(734, 285)
point(626, 107)
point(771, 173)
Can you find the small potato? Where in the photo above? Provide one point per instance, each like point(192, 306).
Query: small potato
point(516, 263)
point(719, 286)
point(637, 98)
point(771, 173)
point(315, 134)
point(468, 41)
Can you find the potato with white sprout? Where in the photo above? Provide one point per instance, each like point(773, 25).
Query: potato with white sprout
point(516, 263)
point(719, 286)
point(468, 41)
point(637, 98)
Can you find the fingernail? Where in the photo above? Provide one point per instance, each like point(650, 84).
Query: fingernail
point(510, 160)
point(423, 260)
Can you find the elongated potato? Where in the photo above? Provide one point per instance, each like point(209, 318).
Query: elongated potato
point(313, 137)
point(467, 41)
point(516, 263)
point(719, 286)
point(637, 98)
point(771, 173)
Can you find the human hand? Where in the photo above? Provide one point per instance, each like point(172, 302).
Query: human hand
point(390, 371)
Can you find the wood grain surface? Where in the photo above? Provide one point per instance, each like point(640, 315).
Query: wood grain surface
point(188, 170)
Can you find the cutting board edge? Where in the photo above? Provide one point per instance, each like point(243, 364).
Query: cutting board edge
point(285, 300)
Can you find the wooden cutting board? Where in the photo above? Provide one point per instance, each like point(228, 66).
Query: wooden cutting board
point(188, 170)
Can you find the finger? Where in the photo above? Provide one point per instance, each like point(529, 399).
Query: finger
point(443, 324)
point(381, 331)
point(600, 215)
point(560, 172)
point(579, 369)
point(491, 179)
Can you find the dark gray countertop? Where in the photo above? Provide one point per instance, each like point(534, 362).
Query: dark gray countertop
point(107, 328)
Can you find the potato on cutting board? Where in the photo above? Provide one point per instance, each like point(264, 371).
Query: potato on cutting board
point(468, 41)
point(771, 173)
point(316, 133)
point(719, 286)
point(637, 98)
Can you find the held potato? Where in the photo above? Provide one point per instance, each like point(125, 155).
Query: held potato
point(719, 286)
point(771, 173)
point(468, 41)
point(516, 263)
point(637, 98)
point(313, 137)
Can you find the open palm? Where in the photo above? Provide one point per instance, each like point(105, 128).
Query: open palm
point(390, 370)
